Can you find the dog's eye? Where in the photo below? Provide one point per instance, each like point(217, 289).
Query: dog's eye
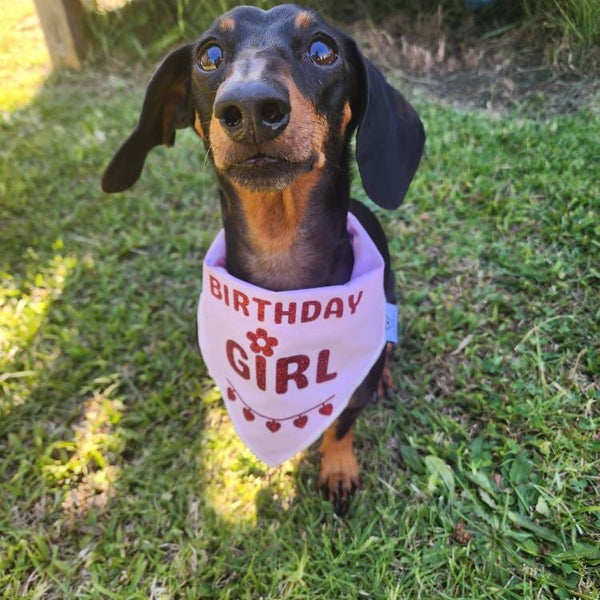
point(322, 53)
point(210, 57)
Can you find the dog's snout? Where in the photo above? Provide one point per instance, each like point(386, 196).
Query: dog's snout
point(252, 111)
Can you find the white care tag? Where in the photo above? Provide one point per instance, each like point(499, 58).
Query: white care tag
point(391, 323)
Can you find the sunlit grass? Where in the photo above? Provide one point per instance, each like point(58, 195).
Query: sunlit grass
point(24, 303)
point(84, 465)
point(111, 4)
point(24, 59)
point(233, 476)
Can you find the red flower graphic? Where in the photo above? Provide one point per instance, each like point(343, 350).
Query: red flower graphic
point(262, 342)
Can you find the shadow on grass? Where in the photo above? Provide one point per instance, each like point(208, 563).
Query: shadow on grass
point(118, 461)
point(107, 366)
point(120, 469)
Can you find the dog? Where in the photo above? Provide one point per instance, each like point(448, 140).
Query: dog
point(276, 97)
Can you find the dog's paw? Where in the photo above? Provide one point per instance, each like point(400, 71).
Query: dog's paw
point(339, 475)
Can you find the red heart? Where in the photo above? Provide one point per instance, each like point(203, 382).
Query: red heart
point(273, 426)
point(248, 414)
point(301, 421)
point(231, 393)
point(326, 409)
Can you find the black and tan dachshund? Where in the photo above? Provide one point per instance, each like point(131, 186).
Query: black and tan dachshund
point(276, 96)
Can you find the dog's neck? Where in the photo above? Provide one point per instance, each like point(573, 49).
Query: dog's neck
point(292, 238)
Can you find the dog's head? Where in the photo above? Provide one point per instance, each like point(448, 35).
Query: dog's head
point(274, 94)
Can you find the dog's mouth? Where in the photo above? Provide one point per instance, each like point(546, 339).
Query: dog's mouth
point(260, 160)
point(261, 172)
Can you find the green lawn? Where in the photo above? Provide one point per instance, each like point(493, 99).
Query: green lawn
point(120, 476)
point(24, 60)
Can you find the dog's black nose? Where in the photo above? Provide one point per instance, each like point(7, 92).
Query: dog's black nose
point(252, 111)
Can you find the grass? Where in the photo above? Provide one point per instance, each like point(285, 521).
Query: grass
point(25, 62)
point(120, 29)
point(121, 476)
point(576, 21)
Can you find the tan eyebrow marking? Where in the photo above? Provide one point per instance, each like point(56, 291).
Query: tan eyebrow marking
point(303, 19)
point(346, 116)
point(227, 24)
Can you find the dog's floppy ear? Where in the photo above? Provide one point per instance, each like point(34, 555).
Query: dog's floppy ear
point(167, 107)
point(390, 137)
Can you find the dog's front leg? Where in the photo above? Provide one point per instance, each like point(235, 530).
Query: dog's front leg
point(386, 387)
point(338, 478)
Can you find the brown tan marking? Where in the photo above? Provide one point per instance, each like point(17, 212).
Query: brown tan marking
point(303, 19)
point(198, 126)
point(339, 468)
point(226, 24)
point(274, 217)
point(346, 116)
point(225, 152)
point(307, 131)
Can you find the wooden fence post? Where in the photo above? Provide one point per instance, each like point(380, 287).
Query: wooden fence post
point(62, 23)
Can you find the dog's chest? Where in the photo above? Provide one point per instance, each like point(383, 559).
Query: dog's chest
point(305, 265)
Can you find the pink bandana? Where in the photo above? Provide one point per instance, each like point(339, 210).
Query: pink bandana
point(288, 362)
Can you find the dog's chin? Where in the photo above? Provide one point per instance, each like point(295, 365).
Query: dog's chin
point(263, 174)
